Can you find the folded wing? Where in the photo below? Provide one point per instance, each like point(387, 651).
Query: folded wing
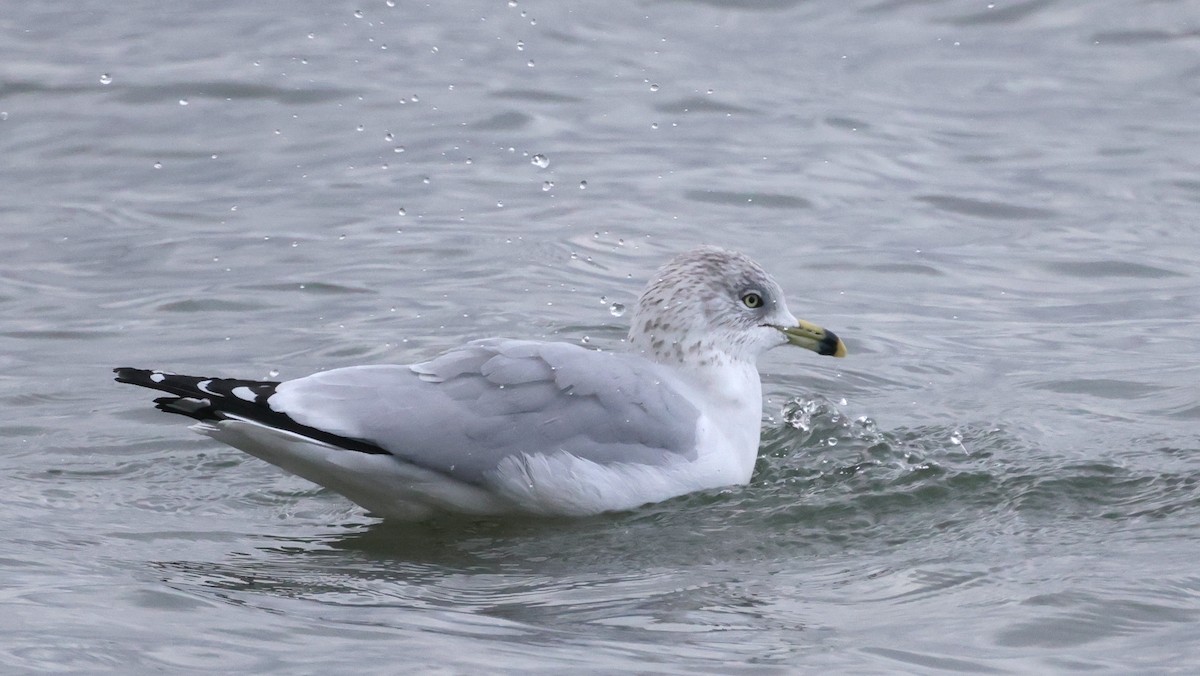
point(466, 411)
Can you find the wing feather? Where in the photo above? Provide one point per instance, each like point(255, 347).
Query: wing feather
point(468, 410)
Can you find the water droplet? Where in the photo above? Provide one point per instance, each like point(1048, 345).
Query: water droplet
point(512, 3)
point(520, 46)
point(3, 115)
point(387, 136)
point(106, 79)
point(273, 373)
point(653, 87)
point(359, 128)
point(470, 161)
point(414, 98)
point(654, 125)
point(425, 180)
point(390, 3)
point(585, 340)
point(183, 102)
point(158, 165)
point(500, 205)
point(831, 441)
point(583, 185)
point(529, 63)
point(540, 161)
point(358, 14)
point(398, 149)
point(402, 211)
point(616, 309)
point(312, 36)
point(547, 185)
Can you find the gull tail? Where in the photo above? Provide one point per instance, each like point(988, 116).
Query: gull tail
point(238, 412)
point(215, 400)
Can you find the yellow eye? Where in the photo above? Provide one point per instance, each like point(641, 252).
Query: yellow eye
point(752, 300)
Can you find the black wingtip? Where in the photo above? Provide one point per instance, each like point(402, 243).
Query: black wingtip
point(131, 375)
point(200, 409)
point(219, 398)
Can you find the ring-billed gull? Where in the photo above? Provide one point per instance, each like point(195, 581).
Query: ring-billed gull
point(510, 426)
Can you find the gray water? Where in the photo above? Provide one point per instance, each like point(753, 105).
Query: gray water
point(995, 205)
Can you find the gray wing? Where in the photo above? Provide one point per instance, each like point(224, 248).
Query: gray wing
point(465, 411)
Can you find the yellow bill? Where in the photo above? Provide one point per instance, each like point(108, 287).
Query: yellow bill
point(812, 337)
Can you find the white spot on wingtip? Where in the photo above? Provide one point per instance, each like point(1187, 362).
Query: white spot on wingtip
point(244, 393)
point(157, 377)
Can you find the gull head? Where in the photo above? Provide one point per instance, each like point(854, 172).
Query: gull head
point(709, 306)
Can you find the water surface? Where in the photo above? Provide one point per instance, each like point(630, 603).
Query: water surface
point(995, 204)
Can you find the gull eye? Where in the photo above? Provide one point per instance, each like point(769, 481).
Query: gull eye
point(752, 300)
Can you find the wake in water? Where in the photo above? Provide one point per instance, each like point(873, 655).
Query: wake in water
point(817, 461)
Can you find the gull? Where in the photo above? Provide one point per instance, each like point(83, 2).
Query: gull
point(503, 426)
